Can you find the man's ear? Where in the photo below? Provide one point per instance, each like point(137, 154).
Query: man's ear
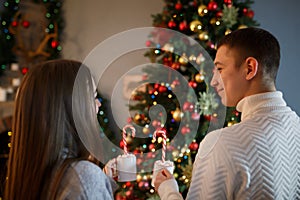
point(251, 68)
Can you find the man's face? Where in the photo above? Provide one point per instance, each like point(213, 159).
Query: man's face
point(229, 77)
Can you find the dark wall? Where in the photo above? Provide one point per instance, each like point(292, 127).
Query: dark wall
point(282, 19)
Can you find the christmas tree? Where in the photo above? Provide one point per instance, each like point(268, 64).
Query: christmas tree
point(205, 21)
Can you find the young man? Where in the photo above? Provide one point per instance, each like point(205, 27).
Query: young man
point(258, 158)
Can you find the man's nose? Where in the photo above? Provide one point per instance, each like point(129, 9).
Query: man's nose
point(214, 81)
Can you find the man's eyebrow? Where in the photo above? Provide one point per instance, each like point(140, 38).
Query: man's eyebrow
point(218, 63)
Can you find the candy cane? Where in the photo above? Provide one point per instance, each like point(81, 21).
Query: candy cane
point(124, 136)
point(163, 156)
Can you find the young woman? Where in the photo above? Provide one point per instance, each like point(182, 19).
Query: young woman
point(48, 159)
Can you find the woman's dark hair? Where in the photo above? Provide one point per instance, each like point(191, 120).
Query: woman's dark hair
point(45, 137)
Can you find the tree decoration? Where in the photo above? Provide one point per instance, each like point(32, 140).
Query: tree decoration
point(207, 103)
point(202, 10)
point(30, 31)
point(229, 17)
point(206, 22)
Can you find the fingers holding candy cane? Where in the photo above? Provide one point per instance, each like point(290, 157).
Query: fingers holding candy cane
point(110, 169)
point(164, 145)
point(163, 163)
point(125, 134)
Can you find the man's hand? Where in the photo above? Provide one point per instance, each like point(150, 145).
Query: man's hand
point(162, 176)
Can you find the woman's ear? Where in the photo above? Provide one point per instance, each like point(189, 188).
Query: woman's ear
point(251, 68)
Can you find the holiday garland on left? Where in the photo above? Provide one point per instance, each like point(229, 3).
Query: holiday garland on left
point(30, 32)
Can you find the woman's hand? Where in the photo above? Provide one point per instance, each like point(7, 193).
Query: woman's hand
point(162, 176)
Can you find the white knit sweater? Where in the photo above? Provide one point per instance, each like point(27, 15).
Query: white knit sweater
point(259, 158)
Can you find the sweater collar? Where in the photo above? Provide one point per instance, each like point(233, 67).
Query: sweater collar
point(251, 104)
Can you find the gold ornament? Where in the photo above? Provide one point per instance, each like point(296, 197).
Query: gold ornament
point(129, 139)
point(227, 31)
point(199, 77)
point(202, 10)
point(137, 118)
point(168, 47)
point(200, 59)
point(146, 130)
point(213, 21)
point(242, 26)
point(192, 58)
point(183, 59)
point(195, 26)
point(203, 36)
point(177, 115)
point(175, 153)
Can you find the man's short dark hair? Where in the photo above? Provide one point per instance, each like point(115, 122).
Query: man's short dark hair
point(257, 43)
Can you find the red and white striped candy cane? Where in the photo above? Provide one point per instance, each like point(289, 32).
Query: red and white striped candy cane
point(124, 136)
point(164, 146)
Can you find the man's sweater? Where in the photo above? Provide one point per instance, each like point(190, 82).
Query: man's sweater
point(258, 158)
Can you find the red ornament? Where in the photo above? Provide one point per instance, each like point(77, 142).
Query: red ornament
point(193, 4)
point(162, 89)
point(236, 113)
point(250, 14)
point(194, 146)
point(136, 151)
point(210, 45)
point(176, 82)
point(219, 14)
point(167, 61)
point(212, 6)
point(178, 6)
point(185, 130)
point(150, 155)
point(193, 84)
point(128, 184)
point(188, 106)
point(228, 2)
point(195, 116)
point(119, 196)
point(245, 11)
point(208, 117)
point(148, 43)
point(183, 26)
point(152, 91)
point(54, 44)
point(176, 65)
point(156, 85)
point(121, 144)
point(25, 24)
point(156, 123)
point(24, 70)
point(14, 23)
point(129, 120)
point(137, 97)
point(144, 185)
point(151, 146)
point(171, 24)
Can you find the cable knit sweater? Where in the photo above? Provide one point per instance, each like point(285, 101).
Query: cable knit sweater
point(258, 158)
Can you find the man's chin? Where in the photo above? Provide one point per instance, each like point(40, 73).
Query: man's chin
point(226, 103)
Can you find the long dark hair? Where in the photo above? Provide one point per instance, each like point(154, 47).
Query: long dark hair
point(45, 139)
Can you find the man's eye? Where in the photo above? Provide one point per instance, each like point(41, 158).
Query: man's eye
point(219, 68)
